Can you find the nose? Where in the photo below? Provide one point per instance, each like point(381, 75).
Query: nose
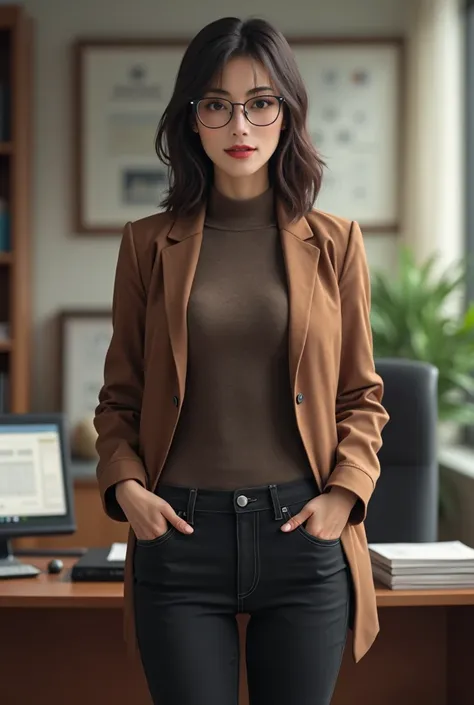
point(239, 121)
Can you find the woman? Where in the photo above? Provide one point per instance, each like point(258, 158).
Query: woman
point(240, 416)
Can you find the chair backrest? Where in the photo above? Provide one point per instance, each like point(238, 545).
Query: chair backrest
point(404, 505)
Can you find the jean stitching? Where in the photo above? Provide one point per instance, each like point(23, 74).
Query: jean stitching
point(246, 510)
point(159, 539)
point(239, 559)
point(191, 504)
point(275, 502)
point(256, 568)
point(346, 620)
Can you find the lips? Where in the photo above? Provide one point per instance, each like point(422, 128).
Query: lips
point(240, 151)
point(241, 148)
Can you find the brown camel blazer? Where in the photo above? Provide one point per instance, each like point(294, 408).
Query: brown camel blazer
point(331, 364)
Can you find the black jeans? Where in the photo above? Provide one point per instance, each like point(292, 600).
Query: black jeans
point(188, 589)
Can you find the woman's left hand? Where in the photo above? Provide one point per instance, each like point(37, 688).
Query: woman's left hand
point(326, 515)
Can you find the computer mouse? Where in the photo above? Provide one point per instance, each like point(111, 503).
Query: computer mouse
point(55, 565)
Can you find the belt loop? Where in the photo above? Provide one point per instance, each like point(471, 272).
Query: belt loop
point(276, 502)
point(191, 503)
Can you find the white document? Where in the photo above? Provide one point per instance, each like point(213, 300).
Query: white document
point(407, 553)
point(117, 552)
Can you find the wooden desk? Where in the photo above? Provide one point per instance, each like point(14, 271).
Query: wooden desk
point(61, 642)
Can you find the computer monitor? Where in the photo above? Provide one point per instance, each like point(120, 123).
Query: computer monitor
point(35, 483)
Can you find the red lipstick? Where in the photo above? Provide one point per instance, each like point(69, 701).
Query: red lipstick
point(240, 151)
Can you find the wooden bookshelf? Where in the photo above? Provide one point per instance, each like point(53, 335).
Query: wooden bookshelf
point(16, 36)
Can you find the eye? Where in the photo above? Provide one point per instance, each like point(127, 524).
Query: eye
point(262, 103)
point(213, 105)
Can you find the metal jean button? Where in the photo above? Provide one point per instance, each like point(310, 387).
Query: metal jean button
point(242, 500)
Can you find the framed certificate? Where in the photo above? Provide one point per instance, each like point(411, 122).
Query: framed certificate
point(355, 120)
point(121, 90)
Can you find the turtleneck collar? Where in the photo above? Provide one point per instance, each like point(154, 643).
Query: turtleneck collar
point(224, 213)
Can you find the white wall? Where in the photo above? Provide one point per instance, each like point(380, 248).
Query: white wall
point(75, 271)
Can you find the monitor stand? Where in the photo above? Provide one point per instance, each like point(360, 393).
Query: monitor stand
point(6, 553)
point(11, 567)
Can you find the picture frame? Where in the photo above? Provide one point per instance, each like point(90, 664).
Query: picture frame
point(355, 119)
point(356, 89)
point(121, 87)
point(84, 337)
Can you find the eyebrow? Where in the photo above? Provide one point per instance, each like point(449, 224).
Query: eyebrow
point(252, 91)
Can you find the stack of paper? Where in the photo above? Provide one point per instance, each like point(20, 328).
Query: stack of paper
point(118, 552)
point(409, 566)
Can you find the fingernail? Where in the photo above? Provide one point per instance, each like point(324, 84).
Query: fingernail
point(189, 529)
point(285, 527)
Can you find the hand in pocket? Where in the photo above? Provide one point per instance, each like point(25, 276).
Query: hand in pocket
point(324, 518)
point(148, 514)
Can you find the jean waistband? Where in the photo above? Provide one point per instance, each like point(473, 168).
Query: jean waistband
point(241, 500)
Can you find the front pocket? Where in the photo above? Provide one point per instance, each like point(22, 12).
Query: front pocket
point(160, 539)
point(305, 533)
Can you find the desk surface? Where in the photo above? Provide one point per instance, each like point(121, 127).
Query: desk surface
point(58, 591)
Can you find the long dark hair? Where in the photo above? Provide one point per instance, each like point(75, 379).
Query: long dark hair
point(295, 168)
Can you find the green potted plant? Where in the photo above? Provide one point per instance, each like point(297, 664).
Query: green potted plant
point(412, 317)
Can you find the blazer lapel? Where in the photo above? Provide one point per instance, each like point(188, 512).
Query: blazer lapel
point(301, 260)
point(179, 261)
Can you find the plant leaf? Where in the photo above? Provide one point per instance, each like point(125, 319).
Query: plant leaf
point(410, 319)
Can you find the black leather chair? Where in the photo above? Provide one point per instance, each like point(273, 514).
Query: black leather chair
point(404, 505)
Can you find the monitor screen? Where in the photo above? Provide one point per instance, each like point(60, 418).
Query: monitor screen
point(34, 478)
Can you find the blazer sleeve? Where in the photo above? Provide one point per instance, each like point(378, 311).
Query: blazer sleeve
point(117, 416)
point(360, 416)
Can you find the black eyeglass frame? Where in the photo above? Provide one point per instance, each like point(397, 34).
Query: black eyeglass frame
point(279, 98)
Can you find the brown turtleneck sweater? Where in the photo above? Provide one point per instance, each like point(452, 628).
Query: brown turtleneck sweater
point(237, 426)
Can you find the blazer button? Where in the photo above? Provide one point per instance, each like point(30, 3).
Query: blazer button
point(176, 401)
point(299, 398)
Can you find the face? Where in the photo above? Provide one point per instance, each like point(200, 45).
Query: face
point(236, 172)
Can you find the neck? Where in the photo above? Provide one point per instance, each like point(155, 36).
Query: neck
point(242, 188)
point(224, 213)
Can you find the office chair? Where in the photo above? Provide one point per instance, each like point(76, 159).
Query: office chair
point(404, 505)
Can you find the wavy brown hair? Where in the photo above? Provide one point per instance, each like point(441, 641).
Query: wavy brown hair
point(295, 168)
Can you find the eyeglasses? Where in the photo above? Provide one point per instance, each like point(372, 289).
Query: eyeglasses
point(261, 111)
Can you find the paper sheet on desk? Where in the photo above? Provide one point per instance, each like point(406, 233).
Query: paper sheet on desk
point(117, 552)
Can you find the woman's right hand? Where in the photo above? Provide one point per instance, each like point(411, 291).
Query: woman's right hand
point(147, 513)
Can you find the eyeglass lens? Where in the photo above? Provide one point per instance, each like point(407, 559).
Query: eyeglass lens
point(217, 112)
